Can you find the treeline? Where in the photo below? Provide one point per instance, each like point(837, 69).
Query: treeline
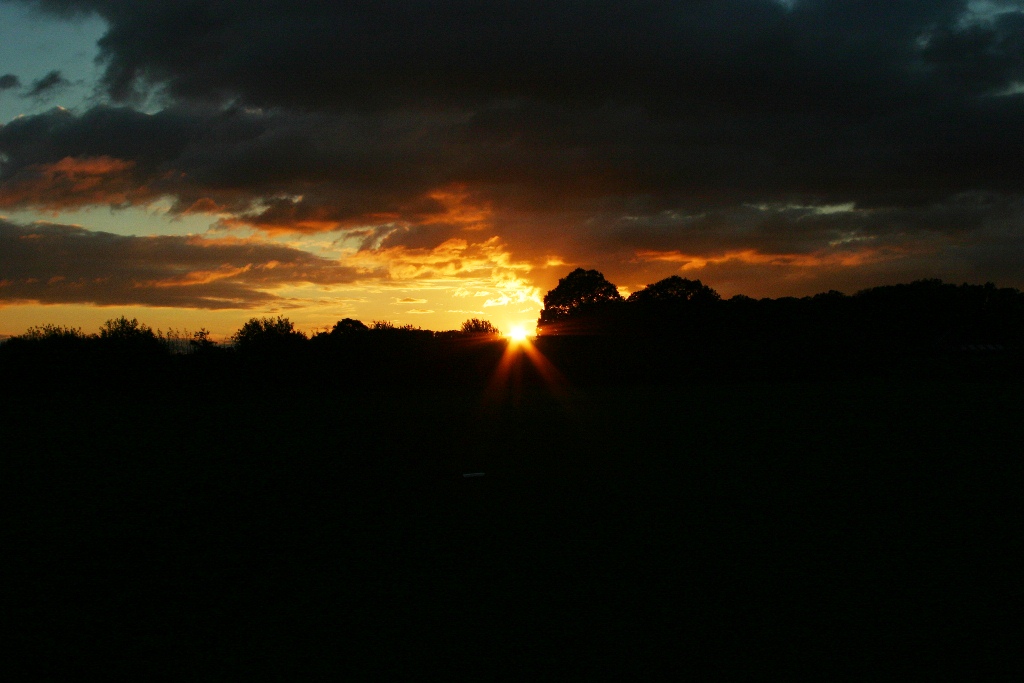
point(919, 316)
point(259, 335)
point(117, 334)
point(126, 355)
point(673, 330)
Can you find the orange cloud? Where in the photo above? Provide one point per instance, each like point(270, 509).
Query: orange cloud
point(68, 264)
point(816, 259)
point(289, 216)
point(466, 268)
point(74, 182)
point(200, 277)
point(451, 205)
point(203, 205)
point(453, 258)
point(459, 209)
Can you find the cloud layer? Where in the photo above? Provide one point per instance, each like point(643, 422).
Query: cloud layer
point(762, 145)
point(52, 263)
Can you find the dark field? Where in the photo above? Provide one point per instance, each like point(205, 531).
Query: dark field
point(176, 526)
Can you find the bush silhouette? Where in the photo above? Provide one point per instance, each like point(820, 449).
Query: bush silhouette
point(48, 332)
point(475, 326)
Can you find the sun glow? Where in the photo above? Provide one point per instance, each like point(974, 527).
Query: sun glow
point(517, 334)
point(522, 359)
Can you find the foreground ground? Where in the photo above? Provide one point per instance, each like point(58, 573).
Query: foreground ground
point(854, 529)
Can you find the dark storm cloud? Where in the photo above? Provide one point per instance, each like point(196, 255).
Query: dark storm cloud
point(586, 126)
point(793, 229)
point(51, 263)
point(251, 162)
point(9, 82)
point(981, 57)
point(725, 101)
point(277, 52)
point(47, 84)
point(726, 55)
point(367, 168)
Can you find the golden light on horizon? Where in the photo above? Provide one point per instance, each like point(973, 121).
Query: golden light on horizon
point(522, 355)
point(517, 334)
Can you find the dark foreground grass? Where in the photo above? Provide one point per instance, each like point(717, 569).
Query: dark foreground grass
point(857, 529)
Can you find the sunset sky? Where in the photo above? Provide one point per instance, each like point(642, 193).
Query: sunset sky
point(196, 164)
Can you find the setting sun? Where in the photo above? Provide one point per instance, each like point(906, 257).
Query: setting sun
point(517, 333)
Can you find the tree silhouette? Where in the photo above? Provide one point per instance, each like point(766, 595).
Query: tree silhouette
point(347, 327)
point(674, 325)
point(672, 307)
point(201, 341)
point(124, 335)
point(55, 340)
point(675, 289)
point(124, 329)
point(579, 292)
point(475, 326)
point(266, 334)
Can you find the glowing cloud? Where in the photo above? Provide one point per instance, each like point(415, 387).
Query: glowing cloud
point(74, 182)
point(847, 258)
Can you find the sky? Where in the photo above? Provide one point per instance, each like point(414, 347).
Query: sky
point(196, 164)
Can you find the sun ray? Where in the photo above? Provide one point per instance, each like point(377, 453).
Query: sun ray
point(508, 375)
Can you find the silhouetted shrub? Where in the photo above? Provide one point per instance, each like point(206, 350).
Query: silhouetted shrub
point(475, 326)
point(183, 342)
point(48, 332)
point(384, 329)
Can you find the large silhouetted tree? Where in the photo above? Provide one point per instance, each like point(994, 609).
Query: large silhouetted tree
point(673, 306)
point(580, 293)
